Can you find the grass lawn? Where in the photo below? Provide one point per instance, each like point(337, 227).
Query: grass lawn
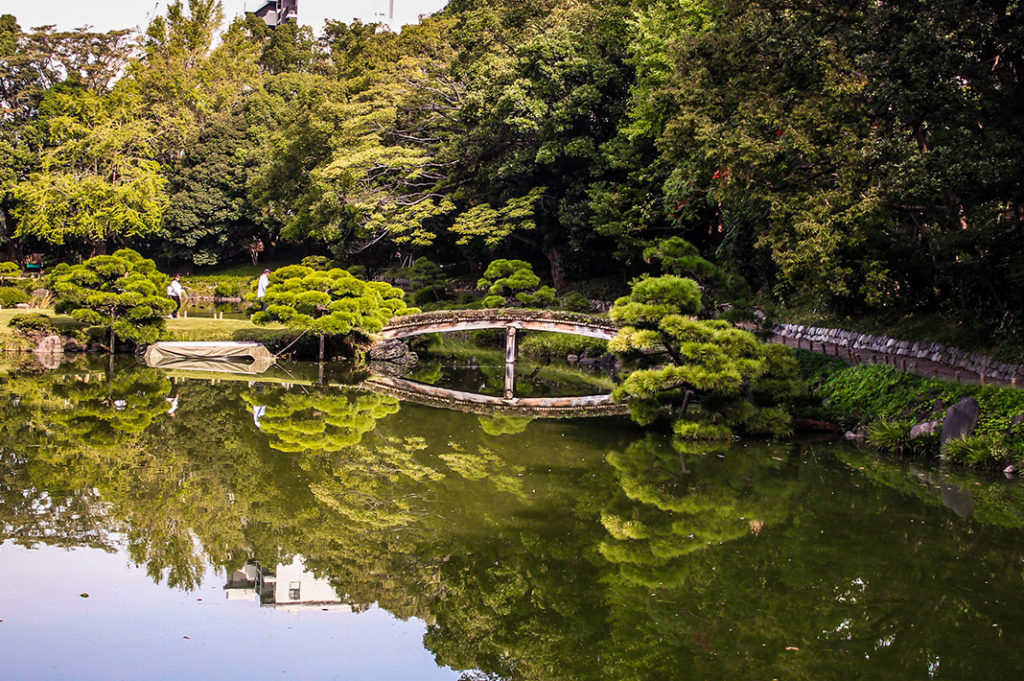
point(191, 329)
point(208, 329)
point(10, 339)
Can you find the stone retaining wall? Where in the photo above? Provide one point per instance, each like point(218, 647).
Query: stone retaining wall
point(922, 351)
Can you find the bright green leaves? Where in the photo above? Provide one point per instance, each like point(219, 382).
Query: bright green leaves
point(708, 361)
point(101, 172)
point(123, 292)
point(654, 298)
point(494, 226)
point(356, 158)
point(9, 270)
point(505, 279)
point(330, 302)
point(98, 179)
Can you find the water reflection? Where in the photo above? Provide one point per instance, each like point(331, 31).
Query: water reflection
point(288, 587)
point(532, 549)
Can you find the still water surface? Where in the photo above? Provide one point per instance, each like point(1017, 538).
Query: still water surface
point(160, 525)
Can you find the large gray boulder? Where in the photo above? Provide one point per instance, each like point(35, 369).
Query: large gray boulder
point(961, 419)
point(51, 345)
point(50, 352)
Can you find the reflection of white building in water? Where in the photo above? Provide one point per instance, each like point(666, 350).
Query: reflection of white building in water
point(288, 587)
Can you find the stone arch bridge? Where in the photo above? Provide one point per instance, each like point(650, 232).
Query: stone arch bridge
point(511, 320)
point(445, 321)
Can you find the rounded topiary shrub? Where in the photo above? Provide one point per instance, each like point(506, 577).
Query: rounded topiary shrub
point(32, 323)
point(11, 296)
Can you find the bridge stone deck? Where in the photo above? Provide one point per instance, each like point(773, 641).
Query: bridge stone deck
point(446, 321)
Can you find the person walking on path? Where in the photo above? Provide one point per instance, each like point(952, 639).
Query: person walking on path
point(175, 293)
point(261, 289)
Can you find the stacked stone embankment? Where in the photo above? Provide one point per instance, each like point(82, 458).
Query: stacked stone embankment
point(851, 342)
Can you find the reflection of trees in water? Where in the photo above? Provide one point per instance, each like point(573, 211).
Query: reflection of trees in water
point(992, 501)
point(110, 412)
point(528, 556)
point(839, 589)
point(667, 509)
point(163, 482)
point(503, 424)
point(320, 421)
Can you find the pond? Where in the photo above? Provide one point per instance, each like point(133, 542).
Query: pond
point(164, 525)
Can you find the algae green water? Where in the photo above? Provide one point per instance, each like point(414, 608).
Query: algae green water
point(157, 525)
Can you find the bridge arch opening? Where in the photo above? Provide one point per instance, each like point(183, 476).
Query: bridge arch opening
point(511, 320)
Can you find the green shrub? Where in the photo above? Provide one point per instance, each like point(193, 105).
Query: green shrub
point(32, 322)
point(11, 296)
point(427, 296)
point(893, 437)
point(9, 270)
point(508, 280)
point(227, 289)
point(701, 430)
point(867, 393)
point(577, 302)
point(558, 345)
point(316, 262)
point(985, 450)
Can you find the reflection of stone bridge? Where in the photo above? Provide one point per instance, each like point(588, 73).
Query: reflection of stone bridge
point(512, 321)
point(458, 400)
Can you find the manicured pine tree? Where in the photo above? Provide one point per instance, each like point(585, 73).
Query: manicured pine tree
point(122, 293)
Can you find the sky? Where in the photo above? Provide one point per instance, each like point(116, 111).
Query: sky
point(105, 15)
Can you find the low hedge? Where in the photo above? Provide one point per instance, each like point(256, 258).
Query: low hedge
point(32, 322)
point(541, 345)
point(12, 295)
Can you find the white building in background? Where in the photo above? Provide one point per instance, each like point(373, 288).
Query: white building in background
point(277, 12)
point(288, 587)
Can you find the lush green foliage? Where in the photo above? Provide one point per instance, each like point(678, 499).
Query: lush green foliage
point(893, 437)
point(9, 270)
point(11, 296)
point(513, 282)
point(32, 322)
point(740, 383)
point(867, 158)
point(889, 402)
point(330, 302)
point(123, 293)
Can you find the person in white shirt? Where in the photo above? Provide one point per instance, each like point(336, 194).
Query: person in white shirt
point(261, 288)
point(175, 293)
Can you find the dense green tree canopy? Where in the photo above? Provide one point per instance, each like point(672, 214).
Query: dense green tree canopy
point(710, 360)
point(330, 302)
point(123, 293)
point(859, 158)
point(513, 282)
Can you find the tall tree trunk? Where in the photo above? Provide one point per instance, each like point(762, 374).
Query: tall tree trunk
point(554, 256)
